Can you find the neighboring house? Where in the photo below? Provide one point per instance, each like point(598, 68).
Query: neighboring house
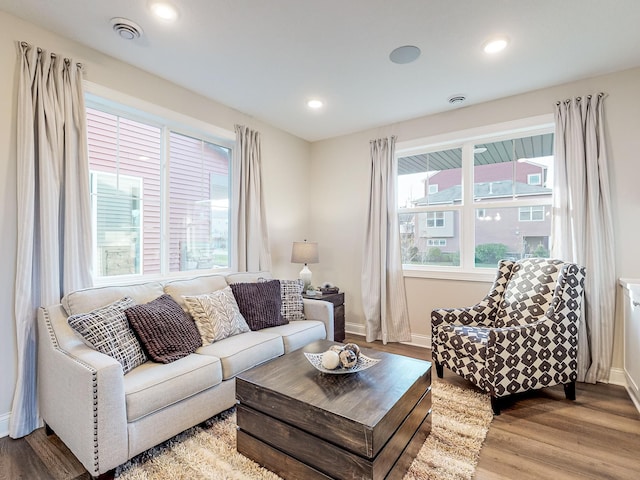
point(524, 230)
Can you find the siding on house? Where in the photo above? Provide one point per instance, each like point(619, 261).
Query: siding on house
point(129, 219)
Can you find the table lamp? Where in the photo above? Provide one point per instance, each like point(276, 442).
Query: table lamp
point(305, 252)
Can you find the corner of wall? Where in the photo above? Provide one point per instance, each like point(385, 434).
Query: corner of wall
point(4, 424)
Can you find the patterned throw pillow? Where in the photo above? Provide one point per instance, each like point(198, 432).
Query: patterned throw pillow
point(107, 330)
point(260, 303)
point(216, 314)
point(165, 331)
point(291, 294)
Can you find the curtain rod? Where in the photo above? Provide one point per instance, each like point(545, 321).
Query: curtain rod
point(67, 61)
point(601, 94)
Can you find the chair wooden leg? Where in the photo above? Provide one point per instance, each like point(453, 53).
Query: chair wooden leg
point(439, 369)
point(495, 405)
point(570, 390)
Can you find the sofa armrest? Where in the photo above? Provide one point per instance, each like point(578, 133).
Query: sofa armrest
point(81, 394)
point(321, 311)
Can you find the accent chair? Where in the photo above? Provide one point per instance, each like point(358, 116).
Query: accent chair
point(522, 336)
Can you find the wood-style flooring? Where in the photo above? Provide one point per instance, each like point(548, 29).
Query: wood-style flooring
point(539, 435)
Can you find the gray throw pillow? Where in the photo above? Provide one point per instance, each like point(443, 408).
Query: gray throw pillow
point(291, 295)
point(164, 329)
point(216, 314)
point(107, 330)
point(260, 303)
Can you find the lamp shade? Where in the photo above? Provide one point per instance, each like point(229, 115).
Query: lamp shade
point(304, 252)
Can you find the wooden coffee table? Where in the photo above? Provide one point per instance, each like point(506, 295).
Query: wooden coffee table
point(302, 423)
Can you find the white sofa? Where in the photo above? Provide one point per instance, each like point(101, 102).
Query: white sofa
point(106, 417)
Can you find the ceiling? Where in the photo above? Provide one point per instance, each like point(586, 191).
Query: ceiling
point(267, 58)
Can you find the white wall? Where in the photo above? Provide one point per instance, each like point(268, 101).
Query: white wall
point(340, 172)
point(285, 160)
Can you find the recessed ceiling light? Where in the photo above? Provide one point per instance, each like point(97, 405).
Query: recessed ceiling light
point(315, 104)
point(495, 45)
point(164, 11)
point(405, 54)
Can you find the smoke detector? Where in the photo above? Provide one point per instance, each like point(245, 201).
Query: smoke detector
point(456, 99)
point(126, 29)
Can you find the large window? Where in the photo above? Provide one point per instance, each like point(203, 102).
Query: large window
point(160, 194)
point(468, 205)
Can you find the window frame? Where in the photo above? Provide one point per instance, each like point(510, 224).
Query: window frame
point(467, 140)
point(117, 103)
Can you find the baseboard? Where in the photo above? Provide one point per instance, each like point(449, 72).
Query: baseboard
point(355, 329)
point(617, 377)
point(4, 424)
point(416, 340)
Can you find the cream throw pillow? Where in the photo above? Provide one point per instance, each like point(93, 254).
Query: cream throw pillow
point(216, 314)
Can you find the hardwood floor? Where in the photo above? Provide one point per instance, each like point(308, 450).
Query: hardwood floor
point(539, 435)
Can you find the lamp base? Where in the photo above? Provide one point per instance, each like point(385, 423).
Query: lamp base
point(305, 276)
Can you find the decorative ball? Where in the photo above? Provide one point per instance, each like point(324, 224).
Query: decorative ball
point(353, 347)
point(348, 358)
point(330, 360)
point(336, 348)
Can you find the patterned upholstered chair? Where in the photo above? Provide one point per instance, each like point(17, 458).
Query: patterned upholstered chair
point(522, 336)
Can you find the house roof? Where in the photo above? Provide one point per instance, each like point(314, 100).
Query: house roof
point(484, 190)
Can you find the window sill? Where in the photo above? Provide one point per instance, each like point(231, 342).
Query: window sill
point(457, 275)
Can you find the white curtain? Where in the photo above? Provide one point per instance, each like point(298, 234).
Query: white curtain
point(252, 251)
point(54, 216)
point(384, 299)
point(583, 226)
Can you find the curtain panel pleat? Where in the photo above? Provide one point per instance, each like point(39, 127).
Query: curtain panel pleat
point(383, 294)
point(54, 216)
point(582, 226)
point(252, 252)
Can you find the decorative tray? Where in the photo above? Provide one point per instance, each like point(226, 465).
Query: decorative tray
point(363, 363)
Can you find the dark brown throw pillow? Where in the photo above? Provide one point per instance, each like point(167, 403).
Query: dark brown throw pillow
point(259, 303)
point(165, 331)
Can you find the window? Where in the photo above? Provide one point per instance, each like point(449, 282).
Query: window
point(160, 194)
point(531, 214)
point(493, 199)
point(437, 242)
point(534, 179)
point(435, 219)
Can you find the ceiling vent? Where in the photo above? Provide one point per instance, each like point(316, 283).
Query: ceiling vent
point(126, 28)
point(457, 99)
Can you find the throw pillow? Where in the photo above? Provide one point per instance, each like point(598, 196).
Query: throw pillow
point(216, 314)
point(259, 303)
point(291, 295)
point(107, 330)
point(165, 331)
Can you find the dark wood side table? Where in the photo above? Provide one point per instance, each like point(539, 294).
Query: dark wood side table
point(338, 312)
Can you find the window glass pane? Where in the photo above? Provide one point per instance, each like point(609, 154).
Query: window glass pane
point(430, 238)
point(124, 159)
point(430, 179)
point(513, 168)
point(199, 204)
point(509, 232)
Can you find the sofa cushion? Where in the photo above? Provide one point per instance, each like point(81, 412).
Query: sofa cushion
point(154, 386)
point(194, 286)
point(165, 331)
point(82, 301)
point(299, 333)
point(259, 303)
point(216, 314)
point(242, 352)
point(107, 330)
